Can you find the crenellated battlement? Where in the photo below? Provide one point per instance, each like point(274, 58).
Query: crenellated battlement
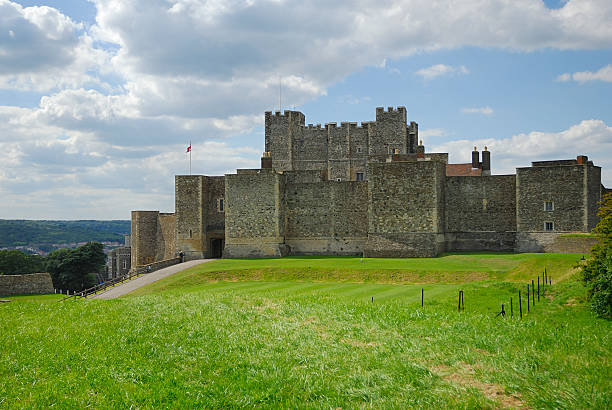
point(294, 145)
point(399, 110)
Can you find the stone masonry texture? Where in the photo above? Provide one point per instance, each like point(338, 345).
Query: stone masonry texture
point(34, 284)
point(369, 189)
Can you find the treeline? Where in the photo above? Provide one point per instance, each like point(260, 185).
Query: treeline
point(27, 233)
point(70, 269)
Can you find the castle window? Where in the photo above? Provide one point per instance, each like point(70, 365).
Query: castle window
point(338, 179)
point(359, 176)
point(359, 150)
point(190, 234)
point(124, 264)
point(548, 206)
point(548, 226)
point(220, 205)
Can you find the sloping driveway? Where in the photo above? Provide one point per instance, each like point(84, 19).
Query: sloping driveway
point(145, 279)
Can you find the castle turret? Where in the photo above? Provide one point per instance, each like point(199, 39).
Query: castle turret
point(391, 132)
point(281, 131)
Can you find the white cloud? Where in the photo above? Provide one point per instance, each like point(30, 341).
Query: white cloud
point(433, 132)
point(124, 95)
point(603, 74)
point(45, 50)
point(441, 70)
point(478, 110)
point(589, 137)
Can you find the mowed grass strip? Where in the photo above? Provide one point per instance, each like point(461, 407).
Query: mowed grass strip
point(452, 268)
point(307, 344)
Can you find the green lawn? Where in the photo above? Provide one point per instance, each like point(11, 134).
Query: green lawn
point(236, 333)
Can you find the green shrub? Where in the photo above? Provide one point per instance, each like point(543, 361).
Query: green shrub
point(597, 272)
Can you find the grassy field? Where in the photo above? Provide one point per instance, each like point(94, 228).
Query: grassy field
point(304, 332)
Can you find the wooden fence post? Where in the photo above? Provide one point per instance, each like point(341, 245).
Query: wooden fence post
point(459, 307)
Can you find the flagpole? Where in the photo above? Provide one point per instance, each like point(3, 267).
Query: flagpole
point(189, 157)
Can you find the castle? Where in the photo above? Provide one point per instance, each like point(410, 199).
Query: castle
point(371, 190)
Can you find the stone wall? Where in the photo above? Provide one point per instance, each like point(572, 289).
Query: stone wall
point(255, 214)
point(563, 185)
point(406, 209)
point(144, 237)
point(326, 218)
point(573, 188)
point(189, 208)
point(165, 236)
point(592, 195)
point(341, 150)
point(34, 284)
point(553, 242)
point(481, 213)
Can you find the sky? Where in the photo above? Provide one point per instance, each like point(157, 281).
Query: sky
point(99, 99)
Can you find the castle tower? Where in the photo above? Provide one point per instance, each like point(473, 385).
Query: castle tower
point(200, 221)
point(391, 133)
point(281, 131)
point(144, 237)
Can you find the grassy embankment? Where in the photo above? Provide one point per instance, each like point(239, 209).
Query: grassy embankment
point(303, 332)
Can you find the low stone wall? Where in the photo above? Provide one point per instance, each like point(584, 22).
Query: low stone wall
point(480, 241)
point(33, 284)
point(553, 242)
point(573, 244)
point(155, 266)
point(404, 245)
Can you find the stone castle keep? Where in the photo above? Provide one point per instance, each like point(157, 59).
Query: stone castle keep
point(371, 190)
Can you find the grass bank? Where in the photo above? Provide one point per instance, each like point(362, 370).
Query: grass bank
point(308, 343)
point(452, 268)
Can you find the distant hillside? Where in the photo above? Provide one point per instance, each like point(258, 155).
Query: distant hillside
point(26, 233)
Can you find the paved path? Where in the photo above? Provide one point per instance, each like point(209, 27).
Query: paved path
point(145, 279)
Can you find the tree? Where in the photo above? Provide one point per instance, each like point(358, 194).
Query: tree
point(14, 262)
point(597, 272)
point(74, 269)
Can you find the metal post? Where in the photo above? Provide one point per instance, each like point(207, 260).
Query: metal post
point(520, 305)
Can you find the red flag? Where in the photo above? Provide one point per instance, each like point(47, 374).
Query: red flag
point(189, 148)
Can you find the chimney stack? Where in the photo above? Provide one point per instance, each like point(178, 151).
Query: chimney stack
point(266, 160)
point(475, 158)
point(421, 150)
point(486, 161)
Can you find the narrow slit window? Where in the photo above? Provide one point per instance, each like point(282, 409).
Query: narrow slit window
point(221, 205)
